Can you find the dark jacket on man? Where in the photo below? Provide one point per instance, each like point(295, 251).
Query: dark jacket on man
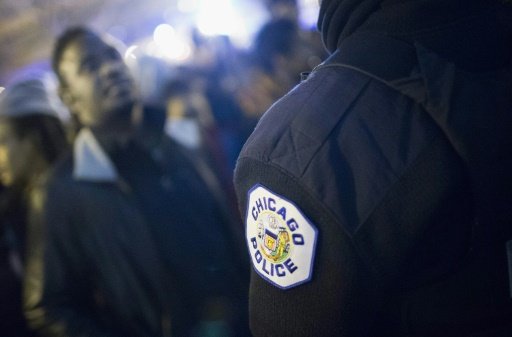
point(113, 254)
point(12, 247)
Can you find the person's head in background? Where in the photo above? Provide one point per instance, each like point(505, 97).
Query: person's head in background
point(32, 136)
point(94, 82)
point(279, 9)
point(276, 48)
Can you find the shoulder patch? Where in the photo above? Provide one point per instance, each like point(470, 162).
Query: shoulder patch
point(281, 240)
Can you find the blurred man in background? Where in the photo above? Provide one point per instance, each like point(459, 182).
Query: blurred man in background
point(32, 139)
point(137, 241)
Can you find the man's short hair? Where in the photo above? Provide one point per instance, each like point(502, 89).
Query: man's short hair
point(68, 36)
point(276, 37)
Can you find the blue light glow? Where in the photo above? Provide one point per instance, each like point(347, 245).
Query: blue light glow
point(188, 6)
point(170, 45)
point(163, 33)
point(130, 53)
point(218, 18)
point(308, 13)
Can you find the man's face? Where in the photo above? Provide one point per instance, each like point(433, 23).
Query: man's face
point(96, 83)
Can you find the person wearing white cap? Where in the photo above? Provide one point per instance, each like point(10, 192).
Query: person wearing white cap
point(30, 129)
point(32, 138)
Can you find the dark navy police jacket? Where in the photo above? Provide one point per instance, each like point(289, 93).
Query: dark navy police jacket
point(399, 176)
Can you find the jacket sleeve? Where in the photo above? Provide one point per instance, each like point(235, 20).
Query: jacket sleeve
point(340, 295)
point(57, 298)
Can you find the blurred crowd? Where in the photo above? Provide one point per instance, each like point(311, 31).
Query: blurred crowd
point(62, 178)
point(224, 90)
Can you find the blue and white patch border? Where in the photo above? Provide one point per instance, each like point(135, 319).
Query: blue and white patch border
point(306, 258)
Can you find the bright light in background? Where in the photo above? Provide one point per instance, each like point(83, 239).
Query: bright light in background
point(1, 89)
point(219, 18)
point(163, 33)
point(188, 6)
point(308, 12)
point(168, 44)
point(130, 53)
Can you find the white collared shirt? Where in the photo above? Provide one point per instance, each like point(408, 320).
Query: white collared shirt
point(91, 163)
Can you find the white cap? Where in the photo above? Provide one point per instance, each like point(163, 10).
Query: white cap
point(26, 98)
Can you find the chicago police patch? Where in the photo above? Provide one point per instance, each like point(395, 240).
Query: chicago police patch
point(280, 238)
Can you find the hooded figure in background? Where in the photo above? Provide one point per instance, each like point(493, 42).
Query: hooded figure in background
point(376, 194)
point(32, 138)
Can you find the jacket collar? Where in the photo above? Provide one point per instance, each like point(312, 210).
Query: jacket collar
point(91, 162)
